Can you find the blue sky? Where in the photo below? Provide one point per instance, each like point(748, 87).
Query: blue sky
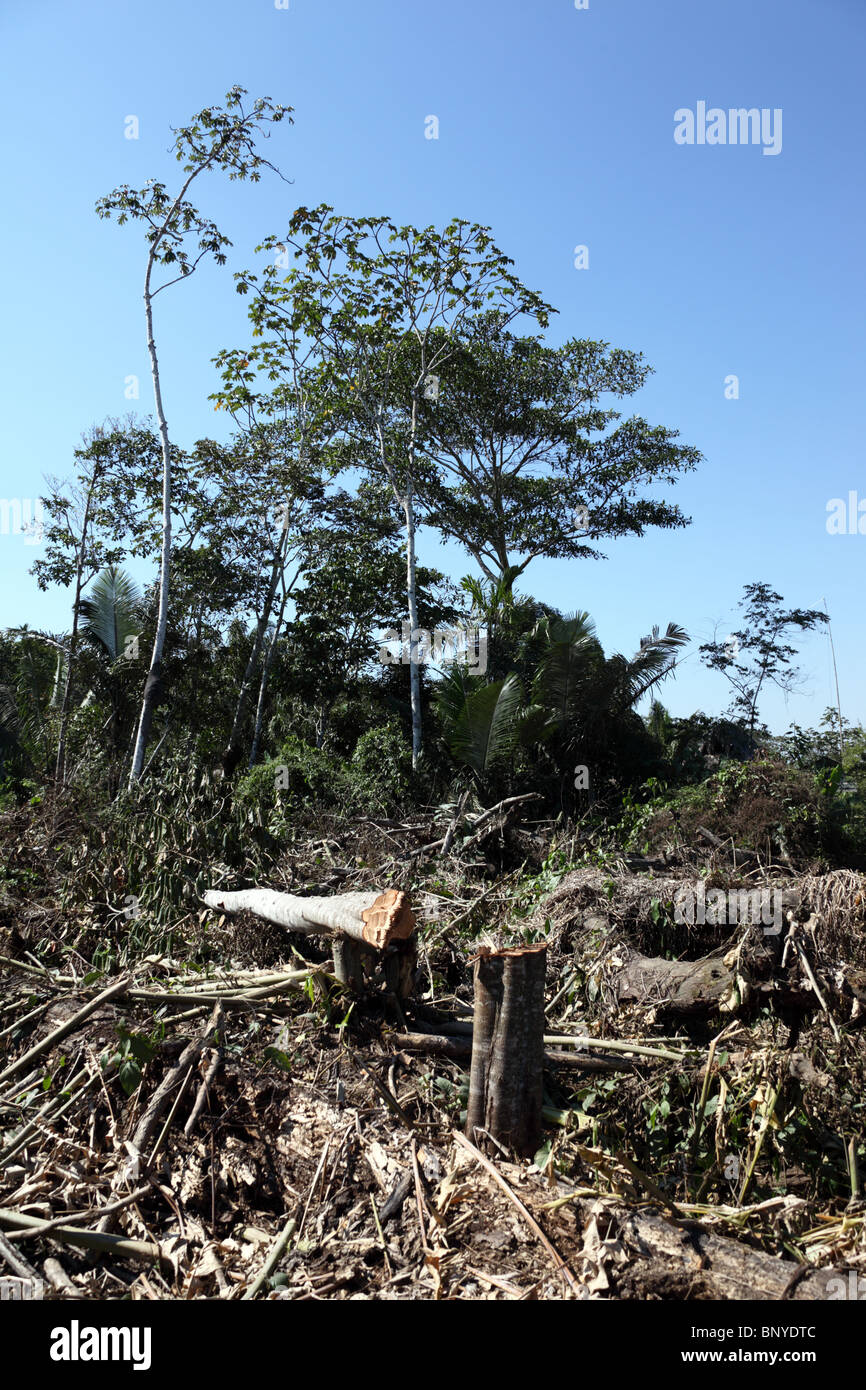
point(556, 128)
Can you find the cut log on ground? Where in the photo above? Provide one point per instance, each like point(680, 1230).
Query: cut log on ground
point(506, 1075)
point(653, 1257)
point(375, 919)
point(460, 1050)
point(733, 979)
point(676, 986)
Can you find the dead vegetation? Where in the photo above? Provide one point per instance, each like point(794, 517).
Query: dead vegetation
point(225, 1120)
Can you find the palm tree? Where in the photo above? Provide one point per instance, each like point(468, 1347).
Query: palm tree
point(580, 707)
point(590, 698)
point(112, 618)
point(480, 720)
point(660, 724)
point(111, 615)
point(12, 750)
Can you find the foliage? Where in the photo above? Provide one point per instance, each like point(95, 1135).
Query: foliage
point(756, 654)
point(764, 805)
point(523, 459)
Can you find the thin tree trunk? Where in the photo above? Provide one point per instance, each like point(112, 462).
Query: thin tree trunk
point(55, 689)
point(408, 506)
point(414, 673)
point(153, 689)
point(506, 1077)
point(60, 764)
point(232, 752)
point(263, 684)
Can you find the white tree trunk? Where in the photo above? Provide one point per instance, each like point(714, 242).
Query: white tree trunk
point(154, 675)
point(377, 919)
point(263, 683)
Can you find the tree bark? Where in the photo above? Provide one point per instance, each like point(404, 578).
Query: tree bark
point(411, 590)
point(60, 765)
point(676, 986)
point(263, 683)
point(153, 689)
point(374, 919)
point(349, 962)
point(676, 1261)
point(505, 1083)
point(728, 981)
point(407, 504)
point(232, 752)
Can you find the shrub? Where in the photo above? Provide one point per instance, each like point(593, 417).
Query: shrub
point(381, 768)
point(299, 774)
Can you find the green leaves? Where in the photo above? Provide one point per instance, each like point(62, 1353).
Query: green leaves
point(133, 1052)
point(757, 654)
point(215, 139)
point(527, 457)
point(570, 646)
point(481, 724)
point(112, 612)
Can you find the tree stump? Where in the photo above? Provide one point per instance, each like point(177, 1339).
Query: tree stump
point(506, 1076)
point(396, 963)
point(349, 962)
point(398, 967)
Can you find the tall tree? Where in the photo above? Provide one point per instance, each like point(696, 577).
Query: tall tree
point(352, 585)
point(757, 655)
point(526, 461)
point(179, 237)
point(85, 531)
point(387, 307)
point(286, 435)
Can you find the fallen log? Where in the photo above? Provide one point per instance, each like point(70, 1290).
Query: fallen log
point(729, 980)
point(459, 1049)
point(676, 986)
point(656, 1257)
point(375, 919)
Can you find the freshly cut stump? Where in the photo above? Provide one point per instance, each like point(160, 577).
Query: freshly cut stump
point(506, 1076)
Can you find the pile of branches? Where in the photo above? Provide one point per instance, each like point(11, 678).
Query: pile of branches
point(250, 1133)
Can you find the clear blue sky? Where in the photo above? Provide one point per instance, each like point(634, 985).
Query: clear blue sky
point(556, 128)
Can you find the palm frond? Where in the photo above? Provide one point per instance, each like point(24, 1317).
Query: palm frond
point(570, 651)
point(485, 727)
point(111, 612)
point(655, 660)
